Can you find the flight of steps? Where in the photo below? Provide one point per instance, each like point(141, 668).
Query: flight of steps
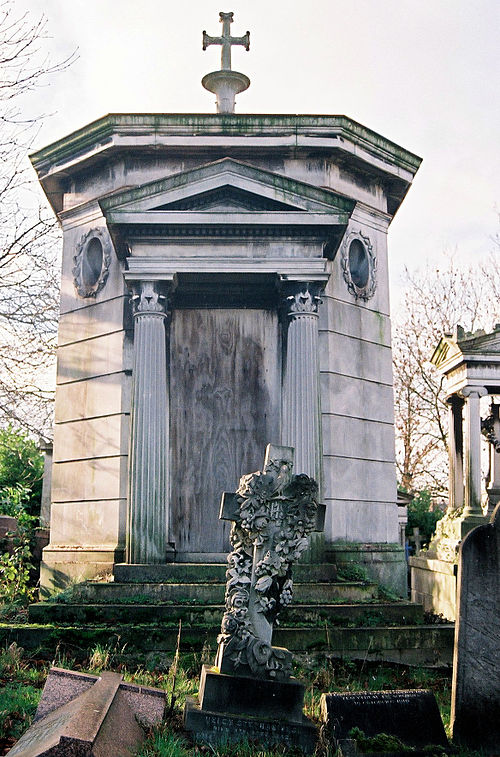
point(142, 607)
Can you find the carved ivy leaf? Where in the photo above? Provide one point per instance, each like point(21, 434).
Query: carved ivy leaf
point(263, 583)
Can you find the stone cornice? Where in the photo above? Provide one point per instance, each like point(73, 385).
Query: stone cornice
point(299, 195)
point(292, 269)
point(293, 130)
point(234, 134)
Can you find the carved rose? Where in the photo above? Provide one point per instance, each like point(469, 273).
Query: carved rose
point(240, 599)
point(261, 651)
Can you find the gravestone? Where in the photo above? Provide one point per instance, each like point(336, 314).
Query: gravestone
point(250, 692)
point(412, 716)
point(475, 706)
point(95, 716)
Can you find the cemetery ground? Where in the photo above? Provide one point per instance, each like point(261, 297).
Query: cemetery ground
point(23, 675)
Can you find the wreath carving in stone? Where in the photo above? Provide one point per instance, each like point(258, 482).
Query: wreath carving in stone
point(91, 262)
point(359, 265)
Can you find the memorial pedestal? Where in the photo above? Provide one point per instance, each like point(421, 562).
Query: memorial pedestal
point(237, 708)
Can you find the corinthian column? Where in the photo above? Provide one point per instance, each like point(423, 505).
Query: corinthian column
point(148, 503)
point(301, 426)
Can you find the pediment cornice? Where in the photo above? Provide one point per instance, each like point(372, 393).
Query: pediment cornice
point(208, 187)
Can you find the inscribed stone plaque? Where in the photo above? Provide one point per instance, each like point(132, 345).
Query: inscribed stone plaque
point(413, 715)
point(475, 707)
point(224, 390)
point(215, 727)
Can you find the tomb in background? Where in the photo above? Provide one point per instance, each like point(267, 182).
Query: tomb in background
point(471, 366)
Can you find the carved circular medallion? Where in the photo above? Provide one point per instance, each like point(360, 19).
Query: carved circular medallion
point(91, 262)
point(359, 265)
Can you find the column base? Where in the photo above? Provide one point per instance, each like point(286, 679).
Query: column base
point(382, 562)
point(63, 566)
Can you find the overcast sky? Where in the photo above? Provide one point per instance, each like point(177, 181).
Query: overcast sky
point(423, 73)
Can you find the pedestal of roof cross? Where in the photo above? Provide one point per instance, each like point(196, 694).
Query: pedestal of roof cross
point(226, 84)
point(272, 512)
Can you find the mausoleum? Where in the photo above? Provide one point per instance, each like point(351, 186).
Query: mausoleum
point(224, 285)
point(470, 365)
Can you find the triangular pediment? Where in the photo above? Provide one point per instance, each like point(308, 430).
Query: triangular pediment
point(461, 345)
point(229, 199)
point(446, 351)
point(226, 186)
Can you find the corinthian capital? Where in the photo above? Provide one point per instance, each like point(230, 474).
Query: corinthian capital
point(301, 297)
point(149, 297)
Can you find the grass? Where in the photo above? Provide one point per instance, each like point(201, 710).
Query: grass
point(22, 679)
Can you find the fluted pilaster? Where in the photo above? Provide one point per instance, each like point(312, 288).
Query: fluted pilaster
point(301, 426)
point(148, 500)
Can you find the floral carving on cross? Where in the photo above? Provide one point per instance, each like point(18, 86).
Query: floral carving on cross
point(273, 512)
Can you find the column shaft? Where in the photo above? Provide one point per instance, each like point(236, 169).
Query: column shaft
point(455, 452)
point(301, 426)
point(473, 450)
point(147, 520)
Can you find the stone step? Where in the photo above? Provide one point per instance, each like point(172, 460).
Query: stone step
point(208, 573)
point(367, 613)
point(213, 593)
point(412, 645)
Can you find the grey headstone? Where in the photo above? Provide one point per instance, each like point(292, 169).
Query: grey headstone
point(475, 713)
point(81, 715)
point(411, 715)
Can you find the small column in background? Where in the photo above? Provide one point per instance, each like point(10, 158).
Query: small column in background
point(473, 396)
point(455, 452)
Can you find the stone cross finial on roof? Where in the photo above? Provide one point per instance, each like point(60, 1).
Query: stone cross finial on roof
point(226, 41)
point(226, 84)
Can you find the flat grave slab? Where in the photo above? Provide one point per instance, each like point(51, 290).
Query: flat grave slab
point(81, 715)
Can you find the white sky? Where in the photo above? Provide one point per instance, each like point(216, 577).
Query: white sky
point(423, 73)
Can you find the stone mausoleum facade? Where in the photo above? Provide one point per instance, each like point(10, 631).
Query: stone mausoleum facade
point(224, 285)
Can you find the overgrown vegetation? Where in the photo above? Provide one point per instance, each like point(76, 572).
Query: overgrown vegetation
point(21, 472)
point(422, 517)
point(22, 679)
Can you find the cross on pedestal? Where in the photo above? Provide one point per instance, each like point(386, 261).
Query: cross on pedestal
point(226, 41)
point(273, 513)
point(417, 540)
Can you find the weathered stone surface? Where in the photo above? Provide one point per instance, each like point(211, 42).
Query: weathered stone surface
point(434, 585)
point(82, 715)
point(277, 213)
point(216, 727)
point(412, 715)
point(475, 714)
point(237, 694)
point(273, 513)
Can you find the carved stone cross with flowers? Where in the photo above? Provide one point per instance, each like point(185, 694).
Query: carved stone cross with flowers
point(273, 512)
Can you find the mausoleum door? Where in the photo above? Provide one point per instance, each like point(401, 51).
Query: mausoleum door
point(224, 408)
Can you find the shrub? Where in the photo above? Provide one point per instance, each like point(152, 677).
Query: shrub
point(21, 467)
point(421, 516)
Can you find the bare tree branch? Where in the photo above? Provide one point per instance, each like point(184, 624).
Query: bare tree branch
point(29, 235)
point(436, 299)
